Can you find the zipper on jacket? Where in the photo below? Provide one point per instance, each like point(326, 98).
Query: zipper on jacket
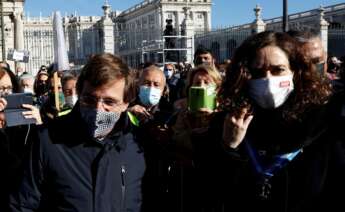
point(123, 187)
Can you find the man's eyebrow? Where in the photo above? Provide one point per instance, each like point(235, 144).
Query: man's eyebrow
point(278, 65)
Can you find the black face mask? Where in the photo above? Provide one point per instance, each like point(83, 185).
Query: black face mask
point(42, 88)
point(320, 68)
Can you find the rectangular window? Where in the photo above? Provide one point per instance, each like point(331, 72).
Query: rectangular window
point(151, 19)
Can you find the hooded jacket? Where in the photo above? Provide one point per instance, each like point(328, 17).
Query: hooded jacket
point(69, 171)
point(312, 181)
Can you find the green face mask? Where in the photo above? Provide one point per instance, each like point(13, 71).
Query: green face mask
point(61, 99)
point(320, 68)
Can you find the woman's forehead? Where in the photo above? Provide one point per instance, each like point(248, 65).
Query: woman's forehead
point(5, 80)
point(270, 56)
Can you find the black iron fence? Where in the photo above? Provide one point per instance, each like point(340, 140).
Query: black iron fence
point(223, 42)
point(336, 41)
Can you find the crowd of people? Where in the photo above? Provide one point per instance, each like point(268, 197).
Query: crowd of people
point(262, 131)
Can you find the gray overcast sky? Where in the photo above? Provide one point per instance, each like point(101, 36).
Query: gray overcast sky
point(224, 12)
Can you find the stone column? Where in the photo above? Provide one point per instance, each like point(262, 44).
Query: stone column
point(107, 26)
point(19, 35)
point(208, 21)
point(188, 29)
point(177, 23)
point(81, 40)
point(323, 27)
point(258, 25)
point(65, 27)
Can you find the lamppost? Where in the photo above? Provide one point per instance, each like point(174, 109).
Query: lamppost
point(285, 16)
point(3, 32)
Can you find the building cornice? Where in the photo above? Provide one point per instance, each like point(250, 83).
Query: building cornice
point(307, 14)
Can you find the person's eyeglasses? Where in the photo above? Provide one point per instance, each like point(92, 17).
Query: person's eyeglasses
point(92, 101)
point(7, 89)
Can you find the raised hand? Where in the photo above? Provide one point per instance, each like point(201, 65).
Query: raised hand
point(235, 128)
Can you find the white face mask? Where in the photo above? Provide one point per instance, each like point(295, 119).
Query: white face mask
point(71, 100)
point(28, 90)
point(271, 92)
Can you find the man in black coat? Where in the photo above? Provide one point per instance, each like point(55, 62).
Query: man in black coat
point(88, 160)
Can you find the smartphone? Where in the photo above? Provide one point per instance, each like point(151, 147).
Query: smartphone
point(15, 101)
point(14, 109)
point(201, 97)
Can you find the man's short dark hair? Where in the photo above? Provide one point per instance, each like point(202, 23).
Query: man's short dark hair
point(202, 50)
point(66, 78)
point(102, 69)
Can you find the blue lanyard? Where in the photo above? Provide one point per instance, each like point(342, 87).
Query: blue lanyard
point(278, 162)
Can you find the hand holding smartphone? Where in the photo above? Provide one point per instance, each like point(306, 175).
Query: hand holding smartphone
point(14, 109)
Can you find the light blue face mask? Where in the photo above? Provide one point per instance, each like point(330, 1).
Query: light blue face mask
point(168, 74)
point(149, 96)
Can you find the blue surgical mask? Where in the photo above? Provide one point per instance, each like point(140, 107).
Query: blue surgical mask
point(149, 96)
point(168, 74)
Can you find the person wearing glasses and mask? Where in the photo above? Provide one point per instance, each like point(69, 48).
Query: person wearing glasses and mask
point(69, 82)
point(175, 84)
point(89, 159)
point(272, 148)
point(41, 87)
point(50, 110)
point(14, 140)
point(153, 121)
point(26, 83)
point(152, 85)
point(313, 49)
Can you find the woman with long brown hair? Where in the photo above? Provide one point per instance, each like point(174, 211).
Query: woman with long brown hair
point(271, 148)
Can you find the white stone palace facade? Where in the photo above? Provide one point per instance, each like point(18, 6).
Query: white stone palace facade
point(328, 21)
point(136, 34)
point(139, 29)
point(125, 33)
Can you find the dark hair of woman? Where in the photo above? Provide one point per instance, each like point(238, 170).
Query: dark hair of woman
point(309, 90)
point(14, 81)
